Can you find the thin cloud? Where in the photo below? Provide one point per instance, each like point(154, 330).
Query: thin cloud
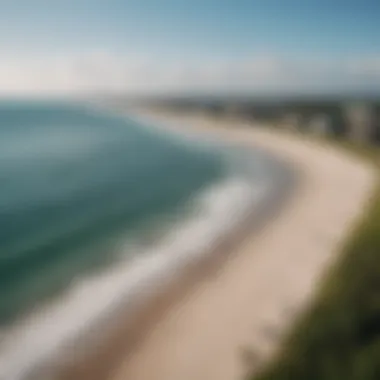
point(102, 71)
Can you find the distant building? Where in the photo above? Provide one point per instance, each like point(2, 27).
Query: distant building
point(233, 111)
point(361, 122)
point(320, 125)
point(292, 121)
point(212, 109)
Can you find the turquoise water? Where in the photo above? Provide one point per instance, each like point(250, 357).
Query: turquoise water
point(72, 180)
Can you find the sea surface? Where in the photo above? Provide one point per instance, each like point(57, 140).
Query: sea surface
point(85, 194)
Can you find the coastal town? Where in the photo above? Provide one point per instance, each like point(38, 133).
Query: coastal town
point(354, 120)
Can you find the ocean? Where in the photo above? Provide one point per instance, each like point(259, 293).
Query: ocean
point(94, 205)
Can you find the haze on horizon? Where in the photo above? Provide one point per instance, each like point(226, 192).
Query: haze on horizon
point(76, 47)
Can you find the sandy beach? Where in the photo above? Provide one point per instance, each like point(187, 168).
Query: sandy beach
point(105, 343)
point(224, 315)
point(231, 323)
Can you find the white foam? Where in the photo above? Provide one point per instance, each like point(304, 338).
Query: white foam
point(43, 336)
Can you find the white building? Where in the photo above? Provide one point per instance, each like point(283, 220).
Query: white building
point(361, 121)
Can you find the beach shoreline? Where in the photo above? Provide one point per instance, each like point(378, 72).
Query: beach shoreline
point(96, 351)
point(130, 327)
point(271, 276)
point(240, 283)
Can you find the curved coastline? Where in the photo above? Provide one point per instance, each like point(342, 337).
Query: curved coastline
point(124, 329)
point(145, 295)
point(231, 326)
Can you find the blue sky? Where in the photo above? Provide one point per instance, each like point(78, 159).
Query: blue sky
point(176, 32)
point(203, 27)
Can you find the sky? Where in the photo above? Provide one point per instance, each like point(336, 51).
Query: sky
point(198, 46)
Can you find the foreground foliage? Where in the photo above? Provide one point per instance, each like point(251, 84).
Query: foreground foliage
point(339, 337)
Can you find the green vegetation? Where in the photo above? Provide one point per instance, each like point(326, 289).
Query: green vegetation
point(338, 338)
